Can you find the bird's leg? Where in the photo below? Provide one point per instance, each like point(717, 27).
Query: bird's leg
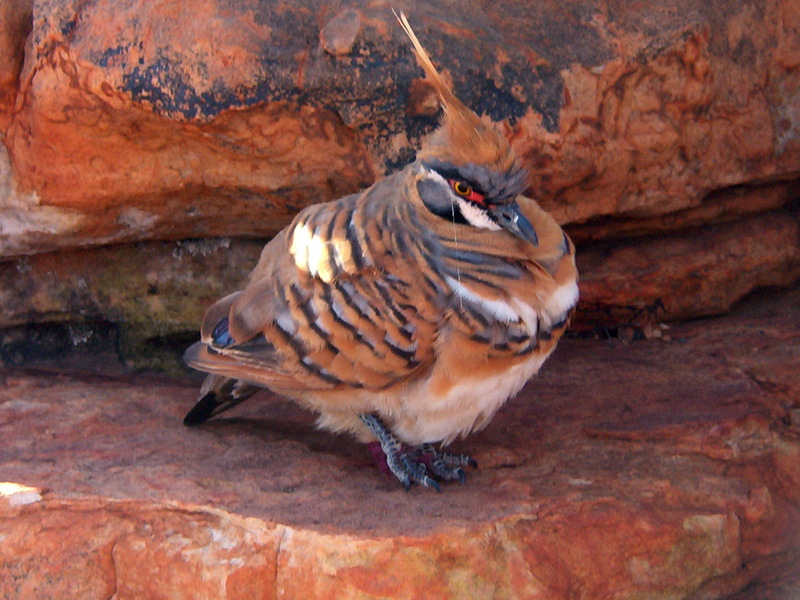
point(406, 466)
point(446, 465)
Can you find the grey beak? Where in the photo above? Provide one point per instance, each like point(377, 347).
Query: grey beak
point(510, 218)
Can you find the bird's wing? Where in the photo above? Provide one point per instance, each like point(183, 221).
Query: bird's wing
point(336, 300)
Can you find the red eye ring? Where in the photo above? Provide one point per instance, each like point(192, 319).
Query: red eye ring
point(463, 189)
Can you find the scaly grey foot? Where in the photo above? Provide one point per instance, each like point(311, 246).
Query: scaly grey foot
point(413, 466)
point(403, 465)
point(446, 465)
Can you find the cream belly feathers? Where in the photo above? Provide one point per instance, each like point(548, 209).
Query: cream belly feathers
point(407, 313)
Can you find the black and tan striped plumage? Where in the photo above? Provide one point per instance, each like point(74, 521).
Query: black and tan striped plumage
point(413, 302)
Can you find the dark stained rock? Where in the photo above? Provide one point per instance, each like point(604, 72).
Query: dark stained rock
point(127, 125)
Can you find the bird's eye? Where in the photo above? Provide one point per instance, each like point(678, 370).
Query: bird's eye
point(461, 188)
point(465, 190)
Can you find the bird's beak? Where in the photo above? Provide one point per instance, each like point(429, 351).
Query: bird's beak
point(510, 218)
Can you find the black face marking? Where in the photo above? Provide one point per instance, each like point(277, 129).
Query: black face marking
point(437, 199)
point(496, 187)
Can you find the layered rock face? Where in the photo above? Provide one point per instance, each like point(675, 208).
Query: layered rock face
point(642, 125)
point(148, 150)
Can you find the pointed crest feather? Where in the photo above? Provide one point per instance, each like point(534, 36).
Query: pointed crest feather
point(463, 137)
point(431, 73)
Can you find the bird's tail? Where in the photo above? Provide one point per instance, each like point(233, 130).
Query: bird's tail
point(217, 395)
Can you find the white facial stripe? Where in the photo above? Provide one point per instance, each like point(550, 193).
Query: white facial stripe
point(476, 216)
point(431, 174)
point(473, 214)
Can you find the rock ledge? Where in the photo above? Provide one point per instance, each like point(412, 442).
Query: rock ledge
point(662, 468)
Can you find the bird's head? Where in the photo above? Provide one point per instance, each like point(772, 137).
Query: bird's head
point(470, 173)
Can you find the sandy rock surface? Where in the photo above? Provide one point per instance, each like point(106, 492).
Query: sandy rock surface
point(668, 467)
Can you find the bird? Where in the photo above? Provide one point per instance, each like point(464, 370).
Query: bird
point(405, 314)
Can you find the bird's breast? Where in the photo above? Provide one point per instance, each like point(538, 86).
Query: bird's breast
point(449, 406)
point(504, 324)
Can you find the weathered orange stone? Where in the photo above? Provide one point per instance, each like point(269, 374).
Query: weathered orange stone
point(128, 126)
point(696, 272)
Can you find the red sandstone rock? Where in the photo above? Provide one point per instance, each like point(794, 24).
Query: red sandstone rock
point(687, 274)
point(339, 34)
point(652, 469)
point(662, 468)
point(734, 204)
point(15, 24)
point(129, 126)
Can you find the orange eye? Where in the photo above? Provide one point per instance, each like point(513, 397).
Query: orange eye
point(462, 188)
point(465, 190)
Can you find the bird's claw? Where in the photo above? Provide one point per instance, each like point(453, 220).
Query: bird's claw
point(408, 468)
point(415, 471)
point(418, 464)
point(446, 465)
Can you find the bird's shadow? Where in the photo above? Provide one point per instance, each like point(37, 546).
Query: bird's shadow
point(279, 426)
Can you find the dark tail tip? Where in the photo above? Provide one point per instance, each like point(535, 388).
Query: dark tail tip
point(202, 411)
